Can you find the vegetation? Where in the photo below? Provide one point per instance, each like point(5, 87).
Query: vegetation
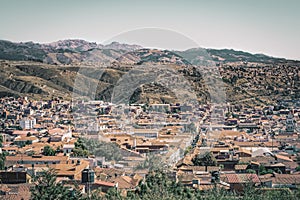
point(2, 155)
point(156, 185)
point(152, 162)
point(2, 160)
point(188, 150)
point(46, 188)
point(263, 170)
point(206, 159)
point(1, 140)
point(48, 151)
point(80, 149)
point(85, 147)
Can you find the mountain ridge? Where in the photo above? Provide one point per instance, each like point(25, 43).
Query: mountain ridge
point(77, 50)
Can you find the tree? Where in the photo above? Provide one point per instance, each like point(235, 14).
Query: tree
point(2, 160)
point(46, 187)
point(85, 147)
point(1, 140)
point(206, 159)
point(152, 162)
point(80, 149)
point(113, 194)
point(48, 151)
point(251, 171)
point(2, 155)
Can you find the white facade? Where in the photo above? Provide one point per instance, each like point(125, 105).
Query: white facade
point(27, 123)
point(68, 148)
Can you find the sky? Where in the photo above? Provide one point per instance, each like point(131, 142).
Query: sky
point(271, 27)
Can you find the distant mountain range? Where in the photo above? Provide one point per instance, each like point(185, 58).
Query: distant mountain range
point(63, 51)
point(75, 50)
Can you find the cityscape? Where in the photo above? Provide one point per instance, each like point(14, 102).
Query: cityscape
point(169, 107)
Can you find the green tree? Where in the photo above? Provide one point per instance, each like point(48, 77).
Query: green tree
point(84, 147)
point(1, 140)
point(206, 159)
point(113, 194)
point(2, 160)
point(80, 149)
point(251, 171)
point(46, 188)
point(48, 151)
point(2, 155)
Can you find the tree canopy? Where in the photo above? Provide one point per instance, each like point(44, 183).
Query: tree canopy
point(48, 151)
point(45, 188)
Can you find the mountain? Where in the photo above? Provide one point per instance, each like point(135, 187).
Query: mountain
point(22, 51)
point(72, 67)
point(119, 46)
point(63, 51)
point(141, 56)
point(74, 45)
point(75, 50)
point(201, 56)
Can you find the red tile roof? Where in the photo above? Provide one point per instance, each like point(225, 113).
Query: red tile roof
point(287, 179)
point(104, 183)
point(242, 178)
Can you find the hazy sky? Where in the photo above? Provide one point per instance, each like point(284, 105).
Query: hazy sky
point(259, 26)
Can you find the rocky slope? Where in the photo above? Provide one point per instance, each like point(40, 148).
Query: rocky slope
point(75, 67)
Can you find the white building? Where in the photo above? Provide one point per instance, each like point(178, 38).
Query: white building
point(68, 148)
point(27, 123)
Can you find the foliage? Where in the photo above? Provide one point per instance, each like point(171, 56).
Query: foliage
point(2, 155)
point(113, 194)
point(45, 188)
point(156, 185)
point(251, 171)
point(159, 186)
point(263, 170)
point(1, 140)
point(206, 159)
point(84, 147)
point(2, 160)
point(152, 162)
point(80, 149)
point(48, 151)
point(187, 150)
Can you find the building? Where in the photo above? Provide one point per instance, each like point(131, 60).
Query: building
point(290, 126)
point(27, 123)
point(68, 148)
point(147, 133)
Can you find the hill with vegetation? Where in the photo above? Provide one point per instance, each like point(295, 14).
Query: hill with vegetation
point(68, 67)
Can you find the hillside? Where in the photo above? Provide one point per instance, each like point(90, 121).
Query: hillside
point(65, 68)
